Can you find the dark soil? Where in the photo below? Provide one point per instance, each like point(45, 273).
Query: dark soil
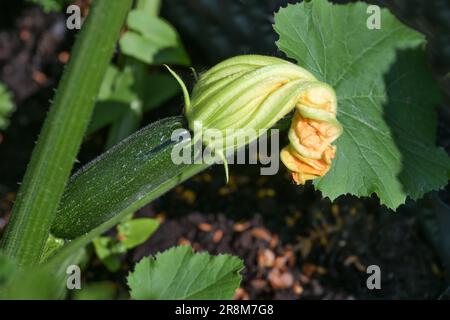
point(30, 68)
point(33, 51)
point(295, 243)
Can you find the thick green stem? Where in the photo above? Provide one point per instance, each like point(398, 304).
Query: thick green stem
point(62, 133)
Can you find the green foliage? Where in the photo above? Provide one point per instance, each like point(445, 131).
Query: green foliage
point(136, 231)
point(6, 106)
point(51, 5)
point(109, 251)
point(385, 105)
point(179, 273)
point(96, 291)
point(152, 40)
point(129, 90)
point(25, 284)
point(7, 267)
point(151, 7)
point(118, 99)
point(131, 233)
point(122, 91)
point(52, 245)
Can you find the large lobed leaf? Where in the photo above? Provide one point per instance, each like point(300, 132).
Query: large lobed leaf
point(386, 97)
point(181, 274)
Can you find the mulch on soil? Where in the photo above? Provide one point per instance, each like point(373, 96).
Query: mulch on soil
point(295, 244)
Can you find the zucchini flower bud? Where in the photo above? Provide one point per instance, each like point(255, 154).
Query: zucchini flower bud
point(313, 129)
point(252, 93)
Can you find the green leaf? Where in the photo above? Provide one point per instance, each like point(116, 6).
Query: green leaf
point(386, 99)
point(96, 291)
point(104, 247)
point(109, 252)
point(6, 106)
point(119, 86)
point(7, 267)
point(31, 284)
point(25, 283)
point(178, 273)
point(152, 40)
point(131, 233)
point(124, 86)
point(108, 85)
point(151, 7)
point(134, 232)
point(51, 246)
point(119, 90)
point(51, 5)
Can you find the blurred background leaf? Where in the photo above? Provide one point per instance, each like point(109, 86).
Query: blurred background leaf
point(152, 40)
point(6, 106)
point(134, 232)
point(135, 86)
point(51, 5)
point(120, 90)
point(130, 233)
point(104, 290)
point(26, 283)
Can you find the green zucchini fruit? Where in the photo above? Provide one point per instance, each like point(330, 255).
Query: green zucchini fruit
point(129, 175)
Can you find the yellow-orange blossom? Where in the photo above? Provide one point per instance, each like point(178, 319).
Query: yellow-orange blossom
point(254, 92)
point(310, 153)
